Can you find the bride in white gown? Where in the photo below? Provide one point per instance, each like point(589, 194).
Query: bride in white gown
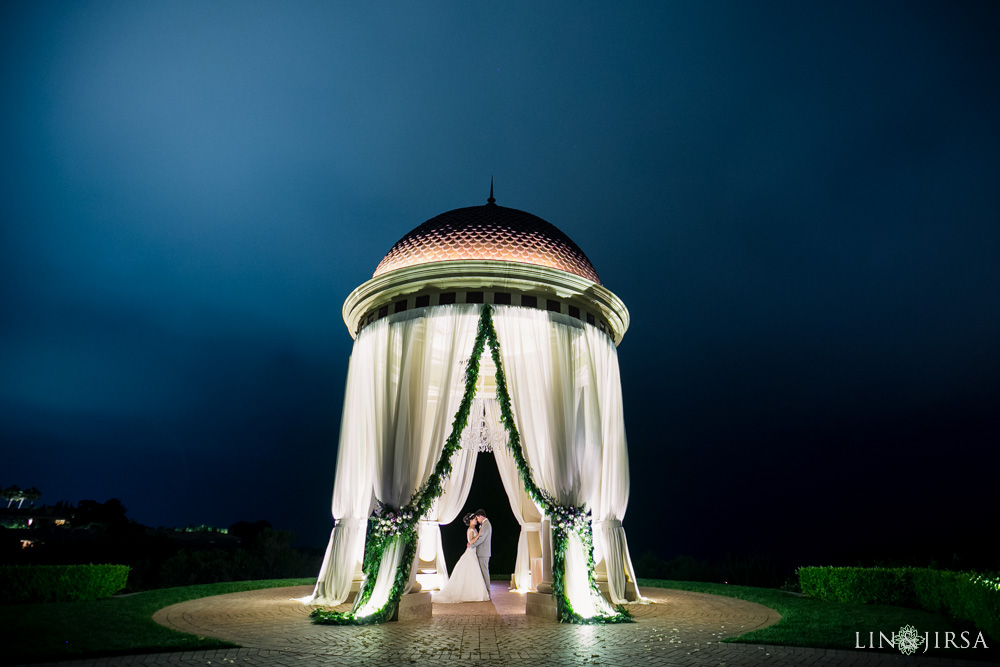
point(466, 583)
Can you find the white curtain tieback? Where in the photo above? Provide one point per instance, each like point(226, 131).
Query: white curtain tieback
point(351, 522)
point(531, 525)
point(614, 523)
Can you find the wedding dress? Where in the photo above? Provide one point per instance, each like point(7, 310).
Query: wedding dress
point(466, 583)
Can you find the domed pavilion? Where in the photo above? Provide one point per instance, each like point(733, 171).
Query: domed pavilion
point(485, 330)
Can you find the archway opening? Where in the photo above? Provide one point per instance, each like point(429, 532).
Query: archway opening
point(487, 493)
point(485, 477)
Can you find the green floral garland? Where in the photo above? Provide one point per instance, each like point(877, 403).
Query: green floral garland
point(388, 524)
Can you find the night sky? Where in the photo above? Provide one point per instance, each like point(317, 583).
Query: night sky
point(798, 202)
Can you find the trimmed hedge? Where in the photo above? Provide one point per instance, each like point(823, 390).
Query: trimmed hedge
point(60, 583)
point(963, 595)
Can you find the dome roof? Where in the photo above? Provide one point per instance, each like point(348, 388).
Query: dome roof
point(488, 232)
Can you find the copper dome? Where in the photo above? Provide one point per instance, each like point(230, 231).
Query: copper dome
point(488, 232)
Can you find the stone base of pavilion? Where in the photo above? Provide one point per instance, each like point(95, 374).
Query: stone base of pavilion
point(542, 605)
point(414, 606)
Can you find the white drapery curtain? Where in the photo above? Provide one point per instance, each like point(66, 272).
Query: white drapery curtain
point(528, 515)
point(352, 488)
point(559, 375)
point(610, 503)
point(546, 370)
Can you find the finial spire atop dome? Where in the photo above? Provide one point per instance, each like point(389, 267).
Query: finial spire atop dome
point(491, 200)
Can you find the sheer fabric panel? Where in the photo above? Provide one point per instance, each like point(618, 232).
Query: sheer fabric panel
point(550, 382)
point(611, 502)
point(352, 490)
point(391, 559)
point(585, 601)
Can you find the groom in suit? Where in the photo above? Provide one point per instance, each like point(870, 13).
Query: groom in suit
point(482, 545)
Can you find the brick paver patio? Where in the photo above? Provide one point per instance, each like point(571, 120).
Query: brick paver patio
point(680, 628)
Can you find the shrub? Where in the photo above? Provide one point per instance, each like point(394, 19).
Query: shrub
point(60, 583)
point(268, 554)
point(966, 595)
point(963, 595)
point(859, 585)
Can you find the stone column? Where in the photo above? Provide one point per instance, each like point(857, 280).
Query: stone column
point(546, 536)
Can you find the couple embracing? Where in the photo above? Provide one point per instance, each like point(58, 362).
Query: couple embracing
point(470, 580)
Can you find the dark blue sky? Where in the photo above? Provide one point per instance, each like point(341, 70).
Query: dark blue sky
point(797, 201)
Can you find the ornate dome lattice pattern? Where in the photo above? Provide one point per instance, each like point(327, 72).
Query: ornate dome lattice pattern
point(488, 232)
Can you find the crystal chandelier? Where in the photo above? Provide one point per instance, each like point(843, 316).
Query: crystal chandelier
point(482, 432)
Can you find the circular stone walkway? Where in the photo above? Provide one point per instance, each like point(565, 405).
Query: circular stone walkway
point(678, 624)
point(680, 628)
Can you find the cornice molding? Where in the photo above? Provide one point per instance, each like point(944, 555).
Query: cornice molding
point(478, 274)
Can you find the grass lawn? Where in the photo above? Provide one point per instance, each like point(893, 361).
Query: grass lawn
point(814, 623)
point(66, 630)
